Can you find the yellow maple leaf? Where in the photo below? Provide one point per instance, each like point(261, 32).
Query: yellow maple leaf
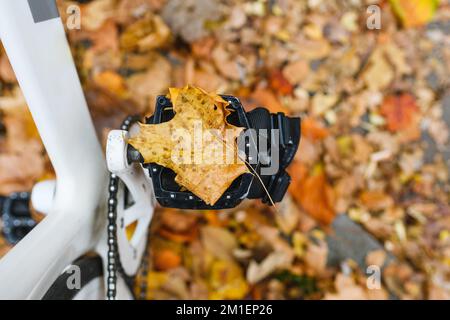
point(205, 165)
point(414, 13)
point(226, 281)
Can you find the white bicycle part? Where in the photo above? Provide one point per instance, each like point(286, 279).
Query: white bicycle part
point(42, 196)
point(34, 39)
point(137, 213)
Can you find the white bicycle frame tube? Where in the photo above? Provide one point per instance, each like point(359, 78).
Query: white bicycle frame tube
point(42, 61)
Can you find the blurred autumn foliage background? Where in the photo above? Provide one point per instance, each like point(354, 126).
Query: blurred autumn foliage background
point(370, 180)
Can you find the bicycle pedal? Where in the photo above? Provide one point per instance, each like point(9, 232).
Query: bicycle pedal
point(269, 188)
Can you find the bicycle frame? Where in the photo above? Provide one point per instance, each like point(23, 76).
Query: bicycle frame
point(34, 39)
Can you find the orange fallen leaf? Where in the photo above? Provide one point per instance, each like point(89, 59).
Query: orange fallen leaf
point(213, 219)
point(179, 237)
point(112, 82)
point(376, 200)
point(166, 259)
point(279, 83)
point(402, 114)
point(257, 292)
point(266, 98)
point(313, 193)
point(313, 129)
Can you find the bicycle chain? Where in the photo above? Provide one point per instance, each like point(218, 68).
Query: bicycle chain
point(113, 263)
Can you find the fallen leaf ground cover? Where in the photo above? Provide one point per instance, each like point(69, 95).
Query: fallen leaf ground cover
point(375, 106)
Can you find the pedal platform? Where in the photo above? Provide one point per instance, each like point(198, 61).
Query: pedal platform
point(169, 194)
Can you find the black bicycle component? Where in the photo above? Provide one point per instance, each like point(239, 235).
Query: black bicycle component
point(16, 216)
point(268, 128)
point(90, 269)
point(288, 131)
